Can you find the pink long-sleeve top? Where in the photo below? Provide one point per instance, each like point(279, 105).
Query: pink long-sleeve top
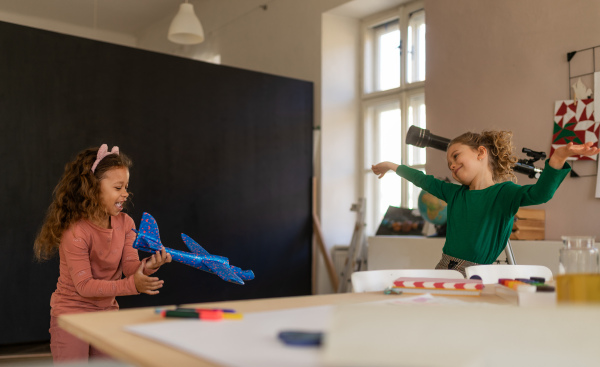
point(93, 261)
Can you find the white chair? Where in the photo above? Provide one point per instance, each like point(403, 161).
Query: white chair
point(491, 273)
point(378, 280)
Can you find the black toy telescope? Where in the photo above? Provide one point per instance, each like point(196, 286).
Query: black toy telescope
point(423, 138)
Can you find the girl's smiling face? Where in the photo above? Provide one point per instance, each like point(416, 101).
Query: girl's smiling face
point(463, 161)
point(113, 190)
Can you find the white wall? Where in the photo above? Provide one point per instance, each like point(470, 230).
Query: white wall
point(340, 131)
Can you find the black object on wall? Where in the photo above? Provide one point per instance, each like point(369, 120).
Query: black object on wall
point(221, 154)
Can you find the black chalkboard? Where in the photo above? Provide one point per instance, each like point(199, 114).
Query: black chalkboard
point(221, 154)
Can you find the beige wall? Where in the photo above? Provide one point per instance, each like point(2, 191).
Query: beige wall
point(66, 28)
point(340, 133)
point(501, 65)
point(283, 40)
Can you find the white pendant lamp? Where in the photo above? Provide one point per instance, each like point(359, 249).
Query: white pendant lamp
point(185, 28)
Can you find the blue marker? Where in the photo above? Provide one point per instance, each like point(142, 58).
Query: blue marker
point(226, 310)
point(301, 338)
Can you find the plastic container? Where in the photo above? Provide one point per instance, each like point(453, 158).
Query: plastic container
point(578, 280)
point(579, 255)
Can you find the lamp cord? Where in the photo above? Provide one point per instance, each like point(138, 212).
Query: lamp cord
point(263, 7)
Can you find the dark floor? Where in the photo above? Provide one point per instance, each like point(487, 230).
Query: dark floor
point(38, 355)
point(27, 354)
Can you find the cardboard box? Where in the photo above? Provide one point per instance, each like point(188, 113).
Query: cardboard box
point(529, 224)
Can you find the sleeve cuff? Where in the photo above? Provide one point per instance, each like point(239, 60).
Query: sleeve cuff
point(132, 285)
point(565, 166)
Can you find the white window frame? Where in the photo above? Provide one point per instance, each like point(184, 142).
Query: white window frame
point(371, 98)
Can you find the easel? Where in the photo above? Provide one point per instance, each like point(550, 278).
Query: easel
point(357, 251)
point(321, 243)
point(510, 257)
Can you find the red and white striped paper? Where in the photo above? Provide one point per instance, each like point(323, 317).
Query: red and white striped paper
point(438, 283)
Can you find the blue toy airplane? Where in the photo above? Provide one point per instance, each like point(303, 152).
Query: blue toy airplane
point(148, 240)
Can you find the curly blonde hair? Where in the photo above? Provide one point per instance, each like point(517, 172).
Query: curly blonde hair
point(500, 150)
point(76, 196)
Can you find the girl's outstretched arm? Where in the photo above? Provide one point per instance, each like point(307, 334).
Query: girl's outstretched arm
point(381, 169)
point(561, 154)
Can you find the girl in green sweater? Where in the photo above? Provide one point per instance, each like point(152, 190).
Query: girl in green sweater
point(482, 208)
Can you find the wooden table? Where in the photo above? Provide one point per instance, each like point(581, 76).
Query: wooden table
point(105, 331)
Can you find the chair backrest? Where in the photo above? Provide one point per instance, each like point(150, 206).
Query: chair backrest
point(491, 273)
point(378, 280)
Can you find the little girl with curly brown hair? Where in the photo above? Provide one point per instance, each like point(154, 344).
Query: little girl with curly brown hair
point(86, 226)
point(481, 210)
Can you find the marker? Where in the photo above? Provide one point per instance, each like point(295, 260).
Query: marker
point(225, 310)
point(301, 338)
point(159, 310)
point(524, 280)
point(392, 290)
point(226, 313)
point(233, 316)
point(211, 315)
point(544, 288)
point(202, 315)
point(186, 315)
point(503, 281)
point(519, 286)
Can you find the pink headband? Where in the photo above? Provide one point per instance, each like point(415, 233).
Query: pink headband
point(103, 152)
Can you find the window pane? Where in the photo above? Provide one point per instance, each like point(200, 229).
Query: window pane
point(387, 56)
point(415, 65)
point(390, 135)
point(416, 116)
point(422, 53)
point(390, 193)
point(389, 131)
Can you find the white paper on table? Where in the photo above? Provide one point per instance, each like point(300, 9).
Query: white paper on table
point(252, 341)
point(368, 335)
point(429, 299)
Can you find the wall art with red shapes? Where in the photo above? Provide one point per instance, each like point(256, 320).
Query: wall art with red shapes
point(574, 122)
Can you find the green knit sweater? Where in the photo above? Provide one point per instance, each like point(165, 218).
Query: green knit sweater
point(480, 221)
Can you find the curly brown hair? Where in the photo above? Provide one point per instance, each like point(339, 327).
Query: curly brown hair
point(75, 197)
point(500, 149)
